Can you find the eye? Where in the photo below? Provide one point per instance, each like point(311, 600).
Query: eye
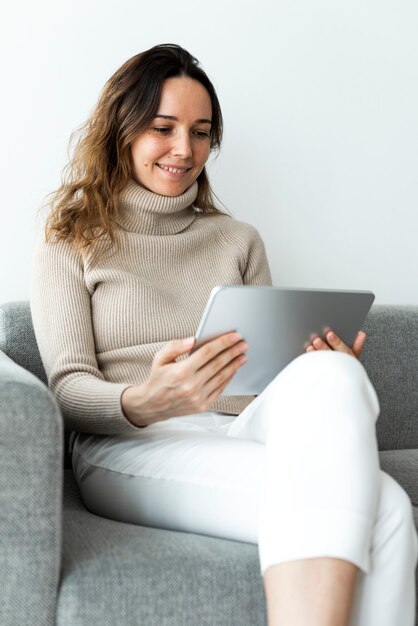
point(161, 130)
point(202, 134)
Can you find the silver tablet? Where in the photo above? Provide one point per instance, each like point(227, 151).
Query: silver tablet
point(278, 324)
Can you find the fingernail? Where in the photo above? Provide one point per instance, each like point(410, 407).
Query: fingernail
point(331, 336)
point(188, 341)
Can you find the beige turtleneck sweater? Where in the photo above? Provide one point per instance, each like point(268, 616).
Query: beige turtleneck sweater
point(99, 324)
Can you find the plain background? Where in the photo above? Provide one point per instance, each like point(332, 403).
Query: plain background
point(320, 101)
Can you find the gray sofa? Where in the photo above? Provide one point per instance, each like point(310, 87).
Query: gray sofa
point(61, 564)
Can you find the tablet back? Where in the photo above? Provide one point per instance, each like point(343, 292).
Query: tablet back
point(278, 324)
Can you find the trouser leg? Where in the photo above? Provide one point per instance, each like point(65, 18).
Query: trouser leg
point(175, 475)
point(323, 493)
point(386, 595)
point(322, 482)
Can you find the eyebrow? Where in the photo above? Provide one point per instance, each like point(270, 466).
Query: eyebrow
point(201, 120)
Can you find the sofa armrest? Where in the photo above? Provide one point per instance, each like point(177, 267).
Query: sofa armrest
point(31, 475)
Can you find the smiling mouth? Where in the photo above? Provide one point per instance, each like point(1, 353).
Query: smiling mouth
point(173, 170)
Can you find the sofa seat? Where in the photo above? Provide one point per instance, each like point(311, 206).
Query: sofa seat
point(158, 577)
point(114, 573)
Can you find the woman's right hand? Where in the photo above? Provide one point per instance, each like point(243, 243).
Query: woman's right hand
point(185, 387)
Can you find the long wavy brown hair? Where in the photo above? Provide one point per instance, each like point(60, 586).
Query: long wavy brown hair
point(83, 209)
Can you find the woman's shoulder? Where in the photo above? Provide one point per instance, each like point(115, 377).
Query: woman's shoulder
point(230, 227)
point(52, 244)
point(55, 251)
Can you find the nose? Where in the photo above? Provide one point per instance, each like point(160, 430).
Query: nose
point(182, 146)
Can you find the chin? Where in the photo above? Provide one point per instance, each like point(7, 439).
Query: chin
point(169, 190)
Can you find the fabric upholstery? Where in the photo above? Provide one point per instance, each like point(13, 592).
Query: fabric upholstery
point(30, 497)
point(390, 356)
point(17, 338)
point(403, 466)
point(123, 574)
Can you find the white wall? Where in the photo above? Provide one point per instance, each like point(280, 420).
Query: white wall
point(321, 113)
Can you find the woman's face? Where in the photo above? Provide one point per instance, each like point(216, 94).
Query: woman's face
point(170, 154)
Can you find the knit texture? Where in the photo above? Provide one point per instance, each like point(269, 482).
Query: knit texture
point(99, 320)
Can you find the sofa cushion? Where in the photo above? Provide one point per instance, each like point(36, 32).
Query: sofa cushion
point(403, 466)
point(114, 573)
point(390, 358)
point(17, 338)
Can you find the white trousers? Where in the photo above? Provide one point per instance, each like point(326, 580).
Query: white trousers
point(297, 472)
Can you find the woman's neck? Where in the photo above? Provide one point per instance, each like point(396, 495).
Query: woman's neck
point(143, 211)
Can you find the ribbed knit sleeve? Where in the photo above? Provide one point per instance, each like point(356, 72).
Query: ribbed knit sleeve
point(61, 313)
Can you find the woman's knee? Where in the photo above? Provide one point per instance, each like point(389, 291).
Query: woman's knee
point(329, 377)
point(329, 364)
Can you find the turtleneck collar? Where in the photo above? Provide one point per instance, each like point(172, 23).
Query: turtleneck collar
point(143, 211)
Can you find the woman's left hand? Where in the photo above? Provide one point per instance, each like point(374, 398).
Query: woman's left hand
point(333, 342)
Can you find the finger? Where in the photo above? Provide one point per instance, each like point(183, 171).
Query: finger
point(320, 344)
point(310, 349)
point(358, 343)
point(337, 344)
point(217, 392)
point(222, 360)
point(212, 382)
point(204, 354)
point(172, 350)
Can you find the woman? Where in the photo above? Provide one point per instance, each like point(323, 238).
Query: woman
point(134, 245)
